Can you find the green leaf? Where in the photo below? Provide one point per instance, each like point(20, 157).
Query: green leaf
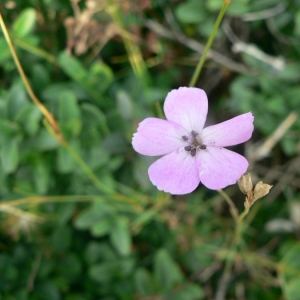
point(292, 289)
point(109, 270)
point(41, 175)
point(167, 273)
point(10, 154)
point(44, 141)
point(8, 129)
point(297, 24)
point(65, 162)
point(103, 272)
point(69, 113)
point(120, 236)
point(93, 252)
point(93, 214)
point(99, 77)
point(72, 67)
point(30, 119)
point(61, 238)
point(143, 282)
point(189, 291)
point(102, 227)
point(4, 51)
point(47, 290)
point(25, 23)
point(290, 266)
point(18, 101)
point(192, 11)
point(125, 105)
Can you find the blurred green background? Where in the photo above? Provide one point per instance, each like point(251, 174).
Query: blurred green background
point(81, 220)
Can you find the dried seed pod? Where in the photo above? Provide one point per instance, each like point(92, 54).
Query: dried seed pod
point(261, 189)
point(245, 183)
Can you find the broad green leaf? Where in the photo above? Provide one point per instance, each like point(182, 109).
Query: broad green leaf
point(72, 67)
point(167, 273)
point(292, 289)
point(4, 51)
point(120, 236)
point(69, 113)
point(92, 215)
point(10, 154)
point(103, 272)
point(192, 11)
point(47, 290)
point(18, 101)
point(143, 282)
point(25, 23)
point(65, 162)
point(125, 105)
point(70, 267)
point(41, 175)
point(188, 291)
point(30, 118)
point(44, 141)
point(92, 111)
point(61, 238)
point(87, 219)
point(102, 227)
point(99, 77)
point(290, 266)
point(93, 252)
point(297, 24)
point(8, 129)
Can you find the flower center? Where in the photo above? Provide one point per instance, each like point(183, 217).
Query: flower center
point(194, 143)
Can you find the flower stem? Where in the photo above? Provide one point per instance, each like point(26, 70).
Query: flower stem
point(209, 43)
point(232, 207)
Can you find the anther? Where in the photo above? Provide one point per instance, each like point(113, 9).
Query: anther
point(194, 133)
point(185, 138)
point(193, 151)
point(187, 148)
point(203, 147)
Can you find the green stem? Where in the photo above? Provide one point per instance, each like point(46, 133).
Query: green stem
point(209, 43)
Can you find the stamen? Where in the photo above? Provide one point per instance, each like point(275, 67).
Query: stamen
point(203, 147)
point(194, 133)
point(187, 148)
point(185, 138)
point(193, 151)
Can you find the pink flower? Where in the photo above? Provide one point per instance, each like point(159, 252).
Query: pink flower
point(192, 154)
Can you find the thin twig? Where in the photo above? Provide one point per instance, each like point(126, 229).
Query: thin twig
point(196, 46)
point(256, 152)
point(277, 63)
point(264, 14)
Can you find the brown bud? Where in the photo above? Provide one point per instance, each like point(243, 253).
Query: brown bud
point(261, 189)
point(245, 183)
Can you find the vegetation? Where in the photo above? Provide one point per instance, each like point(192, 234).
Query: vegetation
point(79, 217)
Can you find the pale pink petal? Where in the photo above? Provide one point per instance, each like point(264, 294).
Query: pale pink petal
point(158, 137)
point(187, 107)
point(219, 167)
point(232, 132)
point(175, 173)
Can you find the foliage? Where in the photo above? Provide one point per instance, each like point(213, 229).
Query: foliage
point(81, 220)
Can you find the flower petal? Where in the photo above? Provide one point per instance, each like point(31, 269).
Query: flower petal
point(187, 107)
point(219, 167)
point(232, 132)
point(175, 173)
point(158, 137)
